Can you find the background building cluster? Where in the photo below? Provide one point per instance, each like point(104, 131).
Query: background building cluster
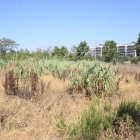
point(125, 49)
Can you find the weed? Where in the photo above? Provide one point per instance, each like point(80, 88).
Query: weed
point(24, 87)
point(10, 84)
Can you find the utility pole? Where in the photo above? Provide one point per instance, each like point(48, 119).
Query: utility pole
point(95, 51)
point(16, 55)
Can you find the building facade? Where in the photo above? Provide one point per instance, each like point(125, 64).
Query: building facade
point(125, 49)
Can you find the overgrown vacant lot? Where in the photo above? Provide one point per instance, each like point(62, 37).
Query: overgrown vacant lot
point(42, 100)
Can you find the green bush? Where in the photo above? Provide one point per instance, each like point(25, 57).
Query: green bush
point(97, 119)
point(91, 123)
point(129, 108)
point(134, 60)
point(125, 58)
point(120, 61)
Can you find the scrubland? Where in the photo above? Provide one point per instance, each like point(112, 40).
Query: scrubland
point(52, 100)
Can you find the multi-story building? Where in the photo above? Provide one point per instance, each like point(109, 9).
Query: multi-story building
point(125, 49)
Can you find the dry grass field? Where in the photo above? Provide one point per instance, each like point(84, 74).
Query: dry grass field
point(36, 118)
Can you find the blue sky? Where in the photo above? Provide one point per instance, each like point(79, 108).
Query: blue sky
point(43, 23)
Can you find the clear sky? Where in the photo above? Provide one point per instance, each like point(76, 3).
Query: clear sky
point(43, 23)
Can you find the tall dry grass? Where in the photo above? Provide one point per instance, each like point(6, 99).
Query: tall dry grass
point(36, 119)
point(28, 119)
point(130, 69)
point(129, 85)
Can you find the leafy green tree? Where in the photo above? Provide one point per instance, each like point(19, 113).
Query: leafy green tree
point(33, 54)
point(81, 50)
point(60, 52)
point(89, 56)
point(137, 46)
point(64, 51)
point(7, 45)
point(39, 53)
point(20, 54)
point(10, 55)
point(26, 54)
point(55, 51)
point(71, 56)
point(46, 52)
point(110, 51)
point(99, 58)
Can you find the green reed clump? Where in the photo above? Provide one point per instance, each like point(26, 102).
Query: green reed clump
point(85, 76)
point(93, 79)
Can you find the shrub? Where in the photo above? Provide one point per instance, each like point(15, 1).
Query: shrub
point(97, 122)
point(129, 108)
point(91, 123)
point(135, 60)
point(120, 61)
point(125, 58)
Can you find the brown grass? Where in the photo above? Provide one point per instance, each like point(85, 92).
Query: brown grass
point(130, 69)
point(26, 119)
point(36, 120)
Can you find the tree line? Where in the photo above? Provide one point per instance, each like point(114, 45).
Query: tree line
point(80, 52)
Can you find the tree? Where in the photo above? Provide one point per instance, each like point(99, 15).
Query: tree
point(64, 51)
point(26, 54)
point(71, 56)
point(137, 46)
point(60, 52)
point(89, 56)
point(11, 55)
point(46, 52)
point(20, 54)
point(39, 53)
point(55, 51)
point(7, 45)
point(81, 50)
point(109, 51)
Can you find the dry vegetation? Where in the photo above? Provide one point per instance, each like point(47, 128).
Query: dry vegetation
point(35, 117)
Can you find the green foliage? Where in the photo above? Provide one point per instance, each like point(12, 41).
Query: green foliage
point(39, 53)
point(120, 61)
point(93, 120)
point(90, 124)
point(81, 50)
point(89, 56)
point(131, 55)
point(99, 58)
point(60, 52)
point(71, 56)
point(7, 45)
point(130, 108)
point(110, 51)
point(92, 78)
point(137, 46)
point(84, 76)
point(97, 119)
point(124, 58)
point(134, 60)
point(61, 126)
point(26, 54)
point(4, 64)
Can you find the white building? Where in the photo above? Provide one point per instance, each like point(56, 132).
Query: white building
point(125, 49)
